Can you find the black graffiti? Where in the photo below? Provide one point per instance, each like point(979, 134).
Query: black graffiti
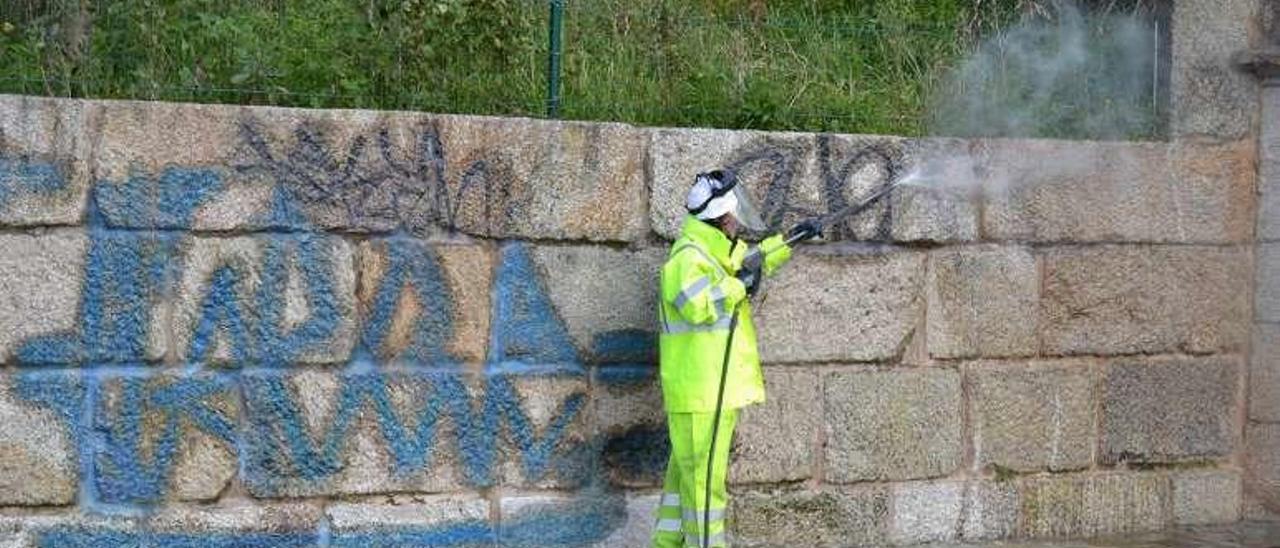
point(780, 160)
point(374, 184)
point(774, 165)
point(836, 167)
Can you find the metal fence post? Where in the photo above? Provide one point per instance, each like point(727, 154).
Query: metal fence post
point(553, 60)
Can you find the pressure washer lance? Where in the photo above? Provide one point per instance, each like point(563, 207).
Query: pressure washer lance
point(826, 220)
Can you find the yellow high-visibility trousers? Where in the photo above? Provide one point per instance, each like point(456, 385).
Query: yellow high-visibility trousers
point(684, 490)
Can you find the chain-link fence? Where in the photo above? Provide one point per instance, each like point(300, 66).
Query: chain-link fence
point(819, 65)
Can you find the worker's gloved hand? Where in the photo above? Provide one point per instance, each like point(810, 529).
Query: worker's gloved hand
point(805, 230)
point(751, 272)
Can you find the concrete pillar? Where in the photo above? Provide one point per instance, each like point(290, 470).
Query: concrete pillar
point(1262, 429)
point(1210, 97)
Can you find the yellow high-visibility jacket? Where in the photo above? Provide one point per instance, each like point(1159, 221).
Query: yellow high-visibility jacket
point(698, 296)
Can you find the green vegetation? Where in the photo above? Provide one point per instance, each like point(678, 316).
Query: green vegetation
point(861, 66)
point(853, 66)
point(454, 56)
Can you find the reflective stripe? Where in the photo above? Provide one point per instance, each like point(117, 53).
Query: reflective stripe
point(680, 326)
point(677, 326)
point(670, 499)
point(669, 525)
point(674, 326)
point(692, 291)
point(696, 540)
point(717, 296)
point(716, 514)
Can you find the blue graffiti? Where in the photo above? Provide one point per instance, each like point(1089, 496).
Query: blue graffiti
point(125, 277)
point(66, 394)
point(264, 338)
point(625, 346)
point(23, 176)
point(314, 262)
point(412, 266)
point(220, 311)
point(581, 523)
point(286, 213)
point(129, 423)
point(279, 449)
point(166, 202)
point(102, 537)
point(467, 533)
point(526, 329)
point(111, 438)
point(528, 339)
point(62, 392)
point(120, 474)
point(127, 272)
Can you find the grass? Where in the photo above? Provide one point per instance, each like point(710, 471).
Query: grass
point(807, 69)
point(856, 66)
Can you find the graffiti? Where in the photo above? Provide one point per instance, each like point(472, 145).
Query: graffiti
point(75, 537)
point(525, 330)
point(138, 427)
point(279, 448)
point(129, 425)
point(375, 183)
point(203, 344)
point(220, 310)
point(65, 394)
point(582, 523)
point(635, 454)
point(255, 323)
point(128, 272)
point(775, 166)
point(413, 268)
point(24, 176)
point(781, 161)
point(166, 202)
point(837, 169)
point(626, 346)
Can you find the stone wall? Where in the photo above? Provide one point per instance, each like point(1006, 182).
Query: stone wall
point(266, 326)
point(1262, 432)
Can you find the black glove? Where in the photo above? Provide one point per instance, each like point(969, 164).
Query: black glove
point(805, 230)
point(751, 272)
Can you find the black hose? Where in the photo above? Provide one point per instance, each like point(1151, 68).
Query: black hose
point(728, 347)
point(858, 207)
point(715, 427)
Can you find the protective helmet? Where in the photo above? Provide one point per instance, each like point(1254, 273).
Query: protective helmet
point(716, 193)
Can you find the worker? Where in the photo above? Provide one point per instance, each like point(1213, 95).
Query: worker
point(709, 278)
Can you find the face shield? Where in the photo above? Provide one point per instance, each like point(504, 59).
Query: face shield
point(745, 210)
point(717, 193)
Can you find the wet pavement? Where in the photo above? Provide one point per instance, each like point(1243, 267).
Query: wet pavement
point(1239, 535)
